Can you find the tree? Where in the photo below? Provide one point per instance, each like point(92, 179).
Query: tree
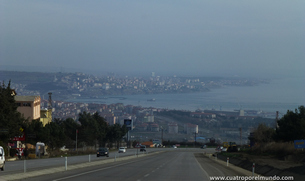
point(93, 128)
point(291, 126)
point(102, 128)
point(55, 137)
point(35, 127)
point(89, 129)
point(10, 119)
point(263, 134)
point(70, 126)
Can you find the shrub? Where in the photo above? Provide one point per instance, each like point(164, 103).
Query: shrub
point(278, 149)
point(12, 152)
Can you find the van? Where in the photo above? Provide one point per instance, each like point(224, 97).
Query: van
point(2, 158)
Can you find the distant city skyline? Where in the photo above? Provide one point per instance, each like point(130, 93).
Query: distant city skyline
point(226, 38)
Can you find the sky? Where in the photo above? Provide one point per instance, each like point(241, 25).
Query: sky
point(172, 37)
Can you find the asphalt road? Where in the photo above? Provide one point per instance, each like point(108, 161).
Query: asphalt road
point(172, 164)
point(34, 164)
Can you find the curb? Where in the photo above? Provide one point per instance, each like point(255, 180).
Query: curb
point(11, 159)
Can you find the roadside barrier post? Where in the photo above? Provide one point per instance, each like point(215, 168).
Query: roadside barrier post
point(89, 158)
point(66, 163)
point(24, 166)
point(253, 168)
point(227, 161)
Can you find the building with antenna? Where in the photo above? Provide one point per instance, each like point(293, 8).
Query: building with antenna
point(46, 114)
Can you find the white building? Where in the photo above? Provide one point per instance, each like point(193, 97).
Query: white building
point(172, 128)
point(190, 128)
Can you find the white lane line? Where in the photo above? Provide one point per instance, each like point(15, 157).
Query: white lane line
point(92, 171)
point(146, 175)
point(208, 176)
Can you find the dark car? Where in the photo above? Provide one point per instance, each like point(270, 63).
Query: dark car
point(143, 148)
point(102, 152)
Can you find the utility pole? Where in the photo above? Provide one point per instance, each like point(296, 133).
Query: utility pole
point(50, 107)
point(195, 138)
point(162, 136)
point(76, 140)
point(240, 130)
point(276, 119)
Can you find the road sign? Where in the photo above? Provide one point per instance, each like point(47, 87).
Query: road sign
point(299, 143)
point(19, 138)
point(128, 123)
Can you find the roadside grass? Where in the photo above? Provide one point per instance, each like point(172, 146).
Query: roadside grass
point(280, 150)
point(231, 154)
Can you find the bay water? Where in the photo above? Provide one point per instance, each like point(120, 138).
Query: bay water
point(278, 95)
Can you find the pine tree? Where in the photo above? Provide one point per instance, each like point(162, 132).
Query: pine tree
point(11, 121)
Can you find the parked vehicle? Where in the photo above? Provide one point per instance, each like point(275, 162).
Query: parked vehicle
point(203, 146)
point(122, 150)
point(219, 148)
point(143, 148)
point(102, 152)
point(2, 158)
point(174, 146)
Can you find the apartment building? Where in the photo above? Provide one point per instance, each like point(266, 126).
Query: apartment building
point(29, 106)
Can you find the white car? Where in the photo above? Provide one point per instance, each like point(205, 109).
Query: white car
point(2, 158)
point(122, 150)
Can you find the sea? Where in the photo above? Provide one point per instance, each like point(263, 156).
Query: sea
point(278, 95)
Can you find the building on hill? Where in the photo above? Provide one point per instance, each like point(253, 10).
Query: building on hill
point(29, 106)
point(172, 128)
point(190, 128)
point(154, 127)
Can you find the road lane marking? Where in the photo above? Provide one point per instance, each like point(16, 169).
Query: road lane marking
point(208, 176)
point(92, 171)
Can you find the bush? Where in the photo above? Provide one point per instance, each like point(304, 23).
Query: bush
point(12, 152)
point(279, 149)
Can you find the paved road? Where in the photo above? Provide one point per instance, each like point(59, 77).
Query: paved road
point(33, 164)
point(172, 164)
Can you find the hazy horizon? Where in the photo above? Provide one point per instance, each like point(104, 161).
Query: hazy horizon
point(225, 38)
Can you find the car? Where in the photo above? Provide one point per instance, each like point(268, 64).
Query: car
point(2, 158)
point(102, 152)
point(122, 150)
point(203, 146)
point(174, 146)
point(224, 149)
point(219, 148)
point(143, 148)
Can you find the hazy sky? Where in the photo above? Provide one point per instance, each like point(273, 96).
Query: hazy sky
point(183, 37)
